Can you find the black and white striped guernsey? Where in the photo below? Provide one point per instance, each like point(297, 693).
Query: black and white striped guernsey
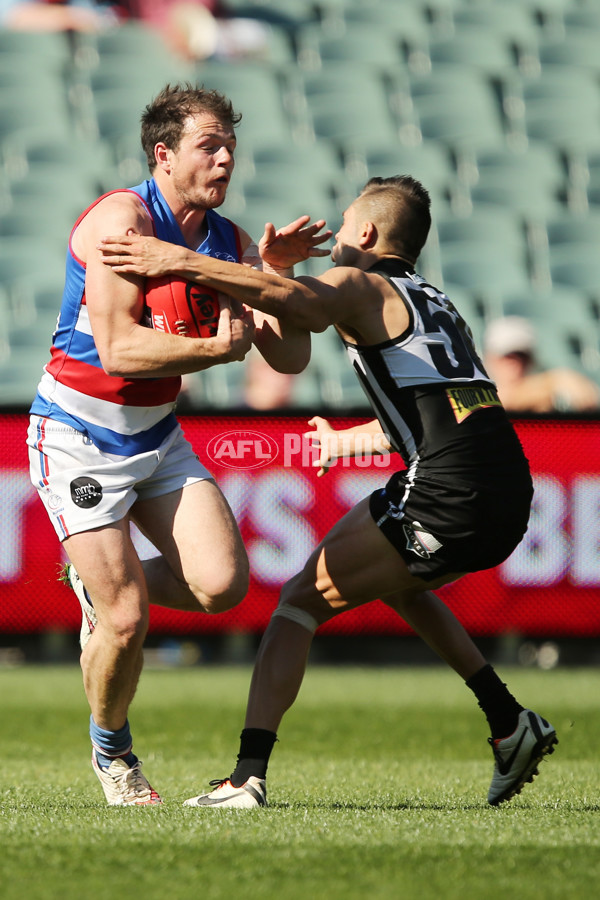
point(428, 386)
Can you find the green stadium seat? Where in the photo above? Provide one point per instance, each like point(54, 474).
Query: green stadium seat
point(558, 88)
point(574, 230)
point(290, 158)
point(586, 18)
point(489, 273)
point(349, 120)
point(255, 91)
point(22, 122)
point(479, 49)
point(45, 51)
point(309, 194)
point(489, 226)
point(53, 187)
point(577, 266)
point(512, 20)
point(575, 49)
point(363, 44)
point(429, 162)
point(411, 29)
point(531, 182)
point(279, 210)
point(17, 268)
point(19, 376)
point(458, 107)
point(345, 84)
point(133, 39)
point(566, 306)
point(293, 14)
point(140, 78)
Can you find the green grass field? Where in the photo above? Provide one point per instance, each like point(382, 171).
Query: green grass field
point(377, 790)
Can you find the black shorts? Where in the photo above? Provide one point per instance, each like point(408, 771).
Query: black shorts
point(453, 526)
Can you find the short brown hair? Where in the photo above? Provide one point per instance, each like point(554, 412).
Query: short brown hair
point(400, 206)
point(163, 120)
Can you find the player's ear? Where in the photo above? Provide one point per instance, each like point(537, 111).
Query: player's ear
point(368, 235)
point(161, 155)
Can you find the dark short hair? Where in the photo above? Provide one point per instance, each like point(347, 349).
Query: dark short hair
point(163, 120)
point(404, 215)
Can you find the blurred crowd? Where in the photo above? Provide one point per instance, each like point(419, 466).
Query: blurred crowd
point(523, 385)
point(199, 29)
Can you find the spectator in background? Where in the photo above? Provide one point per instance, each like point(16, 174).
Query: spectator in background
point(195, 30)
point(510, 359)
point(201, 29)
point(58, 15)
point(264, 388)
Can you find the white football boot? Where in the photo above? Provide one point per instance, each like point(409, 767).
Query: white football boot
point(250, 795)
point(89, 618)
point(518, 756)
point(125, 785)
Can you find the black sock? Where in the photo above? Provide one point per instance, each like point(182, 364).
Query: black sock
point(256, 745)
point(500, 707)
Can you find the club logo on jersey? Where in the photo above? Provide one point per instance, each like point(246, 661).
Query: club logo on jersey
point(86, 492)
point(465, 400)
point(420, 541)
point(55, 501)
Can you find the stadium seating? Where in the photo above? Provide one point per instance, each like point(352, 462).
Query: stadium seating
point(486, 51)
point(429, 161)
point(362, 43)
point(458, 107)
point(495, 106)
point(530, 183)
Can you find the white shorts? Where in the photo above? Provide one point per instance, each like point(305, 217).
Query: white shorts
point(83, 488)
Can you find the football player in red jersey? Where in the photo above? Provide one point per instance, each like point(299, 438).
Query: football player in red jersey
point(103, 434)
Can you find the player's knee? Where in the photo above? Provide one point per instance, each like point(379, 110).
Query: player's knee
point(223, 590)
point(125, 627)
point(299, 603)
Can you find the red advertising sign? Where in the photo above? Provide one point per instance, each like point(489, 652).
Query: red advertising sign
point(549, 587)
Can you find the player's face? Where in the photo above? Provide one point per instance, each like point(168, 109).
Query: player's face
point(202, 165)
point(346, 240)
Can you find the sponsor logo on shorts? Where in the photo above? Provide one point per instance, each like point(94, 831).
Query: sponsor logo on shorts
point(86, 492)
point(420, 541)
point(242, 449)
point(465, 400)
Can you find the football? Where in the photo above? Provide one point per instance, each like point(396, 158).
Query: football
point(181, 307)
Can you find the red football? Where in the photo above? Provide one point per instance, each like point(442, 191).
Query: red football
point(181, 307)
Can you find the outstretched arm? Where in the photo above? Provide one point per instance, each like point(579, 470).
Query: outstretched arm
point(304, 302)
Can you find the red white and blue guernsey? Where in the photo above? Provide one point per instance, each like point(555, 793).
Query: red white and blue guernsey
point(121, 416)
